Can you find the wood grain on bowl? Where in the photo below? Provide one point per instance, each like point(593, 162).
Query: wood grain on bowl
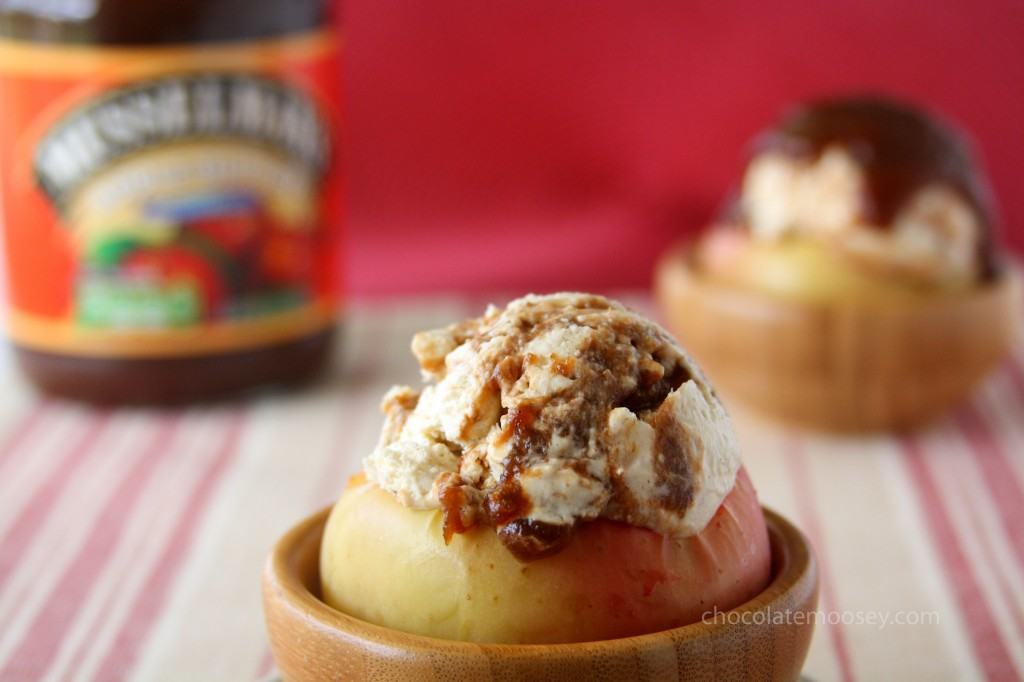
point(840, 367)
point(765, 639)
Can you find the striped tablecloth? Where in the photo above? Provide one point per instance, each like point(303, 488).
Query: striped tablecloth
point(131, 542)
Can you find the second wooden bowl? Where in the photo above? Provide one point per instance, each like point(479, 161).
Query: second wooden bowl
point(839, 368)
point(765, 639)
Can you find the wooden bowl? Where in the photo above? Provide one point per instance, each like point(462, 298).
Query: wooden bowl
point(839, 367)
point(766, 638)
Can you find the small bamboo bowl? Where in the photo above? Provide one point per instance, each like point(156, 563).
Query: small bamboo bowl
point(312, 642)
point(839, 368)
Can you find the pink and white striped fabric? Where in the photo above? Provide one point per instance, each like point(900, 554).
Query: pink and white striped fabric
point(131, 542)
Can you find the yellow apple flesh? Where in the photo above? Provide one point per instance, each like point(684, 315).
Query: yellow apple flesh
point(801, 270)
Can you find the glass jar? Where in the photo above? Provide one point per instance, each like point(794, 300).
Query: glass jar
point(170, 193)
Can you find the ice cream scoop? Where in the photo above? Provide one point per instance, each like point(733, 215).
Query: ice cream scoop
point(883, 189)
point(555, 410)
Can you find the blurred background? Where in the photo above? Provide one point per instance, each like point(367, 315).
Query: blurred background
point(546, 144)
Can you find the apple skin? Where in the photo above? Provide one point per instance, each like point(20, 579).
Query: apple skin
point(389, 565)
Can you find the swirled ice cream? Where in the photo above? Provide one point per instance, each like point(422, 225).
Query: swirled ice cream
point(555, 410)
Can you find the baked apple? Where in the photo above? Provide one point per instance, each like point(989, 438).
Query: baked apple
point(853, 285)
point(569, 476)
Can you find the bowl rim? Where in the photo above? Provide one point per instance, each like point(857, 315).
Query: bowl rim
point(793, 562)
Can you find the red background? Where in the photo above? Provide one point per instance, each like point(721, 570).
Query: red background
point(540, 144)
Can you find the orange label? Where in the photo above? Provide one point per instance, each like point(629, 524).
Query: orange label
point(170, 201)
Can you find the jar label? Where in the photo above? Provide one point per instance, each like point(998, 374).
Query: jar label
point(170, 201)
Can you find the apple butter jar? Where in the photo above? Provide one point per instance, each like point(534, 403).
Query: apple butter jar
point(170, 192)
